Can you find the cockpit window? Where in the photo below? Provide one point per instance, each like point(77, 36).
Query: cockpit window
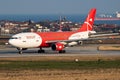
point(14, 37)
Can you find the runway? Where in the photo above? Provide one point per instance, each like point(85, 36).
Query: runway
point(84, 50)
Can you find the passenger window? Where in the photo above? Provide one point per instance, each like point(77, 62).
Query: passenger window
point(24, 41)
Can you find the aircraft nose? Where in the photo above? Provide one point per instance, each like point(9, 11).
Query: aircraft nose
point(11, 41)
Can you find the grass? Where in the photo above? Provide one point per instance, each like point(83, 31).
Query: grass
point(38, 65)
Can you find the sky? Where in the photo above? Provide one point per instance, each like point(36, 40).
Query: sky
point(58, 6)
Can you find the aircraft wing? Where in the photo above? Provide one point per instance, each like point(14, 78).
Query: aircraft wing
point(54, 41)
point(75, 40)
point(104, 35)
point(92, 37)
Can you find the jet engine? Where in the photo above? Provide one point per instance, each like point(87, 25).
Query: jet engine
point(57, 46)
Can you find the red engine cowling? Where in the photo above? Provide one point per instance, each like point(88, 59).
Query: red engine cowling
point(57, 46)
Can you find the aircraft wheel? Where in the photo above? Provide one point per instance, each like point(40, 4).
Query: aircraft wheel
point(62, 51)
point(20, 52)
point(41, 51)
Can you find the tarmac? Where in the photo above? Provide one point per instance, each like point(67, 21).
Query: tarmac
point(84, 52)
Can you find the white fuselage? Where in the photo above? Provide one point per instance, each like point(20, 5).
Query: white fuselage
point(26, 40)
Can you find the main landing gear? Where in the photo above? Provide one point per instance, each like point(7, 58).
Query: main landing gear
point(62, 51)
point(41, 51)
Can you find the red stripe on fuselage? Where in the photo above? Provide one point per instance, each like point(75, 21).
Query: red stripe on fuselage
point(51, 36)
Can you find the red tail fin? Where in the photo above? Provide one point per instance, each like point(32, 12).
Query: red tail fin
point(88, 24)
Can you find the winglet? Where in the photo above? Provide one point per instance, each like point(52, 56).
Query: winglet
point(88, 24)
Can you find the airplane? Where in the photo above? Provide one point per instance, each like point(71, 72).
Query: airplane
point(56, 40)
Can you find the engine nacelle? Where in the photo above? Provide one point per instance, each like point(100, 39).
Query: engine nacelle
point(57, 46)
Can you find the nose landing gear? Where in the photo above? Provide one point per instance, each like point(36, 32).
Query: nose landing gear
point(21, 49)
